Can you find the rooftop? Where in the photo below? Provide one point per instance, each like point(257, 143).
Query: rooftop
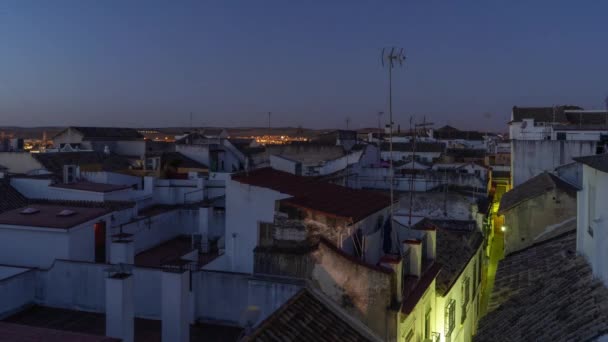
point(315, 195)
point(54, 161)
point(48, 216)
point(455, 248)
point(546, 293)
point(146, 330)
point(307, 316)
point(169, 251)
point(92, 187)
point(532, 188)
point(598, 161)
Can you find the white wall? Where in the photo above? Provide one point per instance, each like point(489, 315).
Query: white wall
point(42, 189)
point(531, 157)
point(593, 245)
point(283, 164)
point(112, 178)
point(151, 231)
point(225, 296)
point(17, 292)
point(81, 286)
point(32, 247)
point(246, 206)
point(178, 191)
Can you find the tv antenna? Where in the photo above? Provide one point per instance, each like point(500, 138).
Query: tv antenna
point(391, 58)
point(347, 122)
point(380, 124)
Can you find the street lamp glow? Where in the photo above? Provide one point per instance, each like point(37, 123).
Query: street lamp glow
point(503, 228)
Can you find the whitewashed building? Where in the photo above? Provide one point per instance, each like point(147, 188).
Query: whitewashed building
point(543, 138)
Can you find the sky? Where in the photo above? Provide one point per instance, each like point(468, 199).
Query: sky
point(311, 63)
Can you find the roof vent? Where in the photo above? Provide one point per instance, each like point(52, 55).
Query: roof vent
point(29, 211)
point(66, 212)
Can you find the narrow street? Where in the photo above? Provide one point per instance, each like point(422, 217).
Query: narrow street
point(496, 254)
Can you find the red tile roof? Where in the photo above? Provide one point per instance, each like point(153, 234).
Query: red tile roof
point(316, 195)
point(17, 332)
point(415, 287)
point(47, 216)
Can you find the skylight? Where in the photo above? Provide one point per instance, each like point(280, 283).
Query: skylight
point(29, 211)
point(66, 212)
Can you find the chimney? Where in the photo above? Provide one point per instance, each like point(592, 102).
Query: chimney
point(415, 254)
point(430, 244)
point(121, 249)
point(394, 262)
point(119, 303)
point(106, 149)
point(175, 306)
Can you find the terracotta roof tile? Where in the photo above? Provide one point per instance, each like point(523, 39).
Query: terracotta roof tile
point(316, 195)
point(10, 198)
point(305, 317)
point(546, 293)
point(454, 251)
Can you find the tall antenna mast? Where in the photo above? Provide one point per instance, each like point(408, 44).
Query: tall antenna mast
point(347, 123)
point(190, 121)
point(391, 58)
point(380, 124)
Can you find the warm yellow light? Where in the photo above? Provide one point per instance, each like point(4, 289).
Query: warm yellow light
point(503, 228)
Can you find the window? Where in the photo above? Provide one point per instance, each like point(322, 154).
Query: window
point(69, 173)
point(466, 284)
point(561, 136)
point(410, 336)
point(450, 319)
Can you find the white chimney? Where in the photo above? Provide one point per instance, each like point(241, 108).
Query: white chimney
point(175, 306)
point(415, 252)
point(106, 149)
point(121, 249)
point(119, 304)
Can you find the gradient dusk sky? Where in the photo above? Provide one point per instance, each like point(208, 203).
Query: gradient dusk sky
point(312, 63)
